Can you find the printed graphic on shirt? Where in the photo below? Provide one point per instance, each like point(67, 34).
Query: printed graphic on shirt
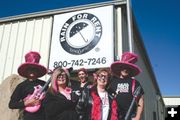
point(122, 88)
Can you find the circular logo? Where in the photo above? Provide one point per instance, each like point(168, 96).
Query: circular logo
point(80, 33)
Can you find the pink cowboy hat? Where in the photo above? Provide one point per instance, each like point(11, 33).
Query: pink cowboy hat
point(32, 63)
point(127, 61)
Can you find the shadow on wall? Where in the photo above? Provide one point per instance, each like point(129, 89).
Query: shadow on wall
point(6, 88)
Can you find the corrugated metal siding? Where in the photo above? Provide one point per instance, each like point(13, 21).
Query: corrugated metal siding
point(154, 106)
point(150, 101)
point(19, 37)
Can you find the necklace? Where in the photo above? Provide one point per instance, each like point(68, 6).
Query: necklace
point(67, 93)
point(104, 98)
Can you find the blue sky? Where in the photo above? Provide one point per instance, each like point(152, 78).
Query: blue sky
point(158, 22)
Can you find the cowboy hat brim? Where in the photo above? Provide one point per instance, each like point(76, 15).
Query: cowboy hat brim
point(118, 65)
point(23, 68)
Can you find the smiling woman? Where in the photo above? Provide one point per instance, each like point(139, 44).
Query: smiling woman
point(98, 103)
point(103, 77)
point(60, 100)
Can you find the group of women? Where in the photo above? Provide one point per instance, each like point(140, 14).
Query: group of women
point(94, 102)
point(66, 99)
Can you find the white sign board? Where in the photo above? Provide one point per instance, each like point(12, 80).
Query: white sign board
point(83, 39)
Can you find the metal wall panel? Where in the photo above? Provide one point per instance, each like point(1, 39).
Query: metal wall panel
point(145, 79)
point(19, 37)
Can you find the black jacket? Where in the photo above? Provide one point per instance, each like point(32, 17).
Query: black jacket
point(57, 107)
point(87, 100)
point(22, 90)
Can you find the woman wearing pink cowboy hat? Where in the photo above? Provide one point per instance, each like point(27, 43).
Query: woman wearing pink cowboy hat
point(21, 97)
point(124, 85)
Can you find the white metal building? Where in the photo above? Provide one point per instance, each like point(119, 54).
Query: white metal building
point(171, 100)
point(36, 32)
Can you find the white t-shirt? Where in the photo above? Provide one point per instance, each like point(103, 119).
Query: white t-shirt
point(105, 104)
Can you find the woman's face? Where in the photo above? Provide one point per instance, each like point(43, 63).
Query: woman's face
point(102, 79)
point(61, 78)
point(124, 73)
point(82, 76)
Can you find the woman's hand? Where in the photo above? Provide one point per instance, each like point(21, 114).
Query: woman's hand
point(31, 102)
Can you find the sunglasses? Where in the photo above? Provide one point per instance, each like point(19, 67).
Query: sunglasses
point(104, 77)
point(61, 76)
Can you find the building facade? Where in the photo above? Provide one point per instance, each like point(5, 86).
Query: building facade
point(36, 32)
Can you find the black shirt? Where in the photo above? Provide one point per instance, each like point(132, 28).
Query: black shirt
point(123, 89)
point(58, 107)
point(22, 90)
